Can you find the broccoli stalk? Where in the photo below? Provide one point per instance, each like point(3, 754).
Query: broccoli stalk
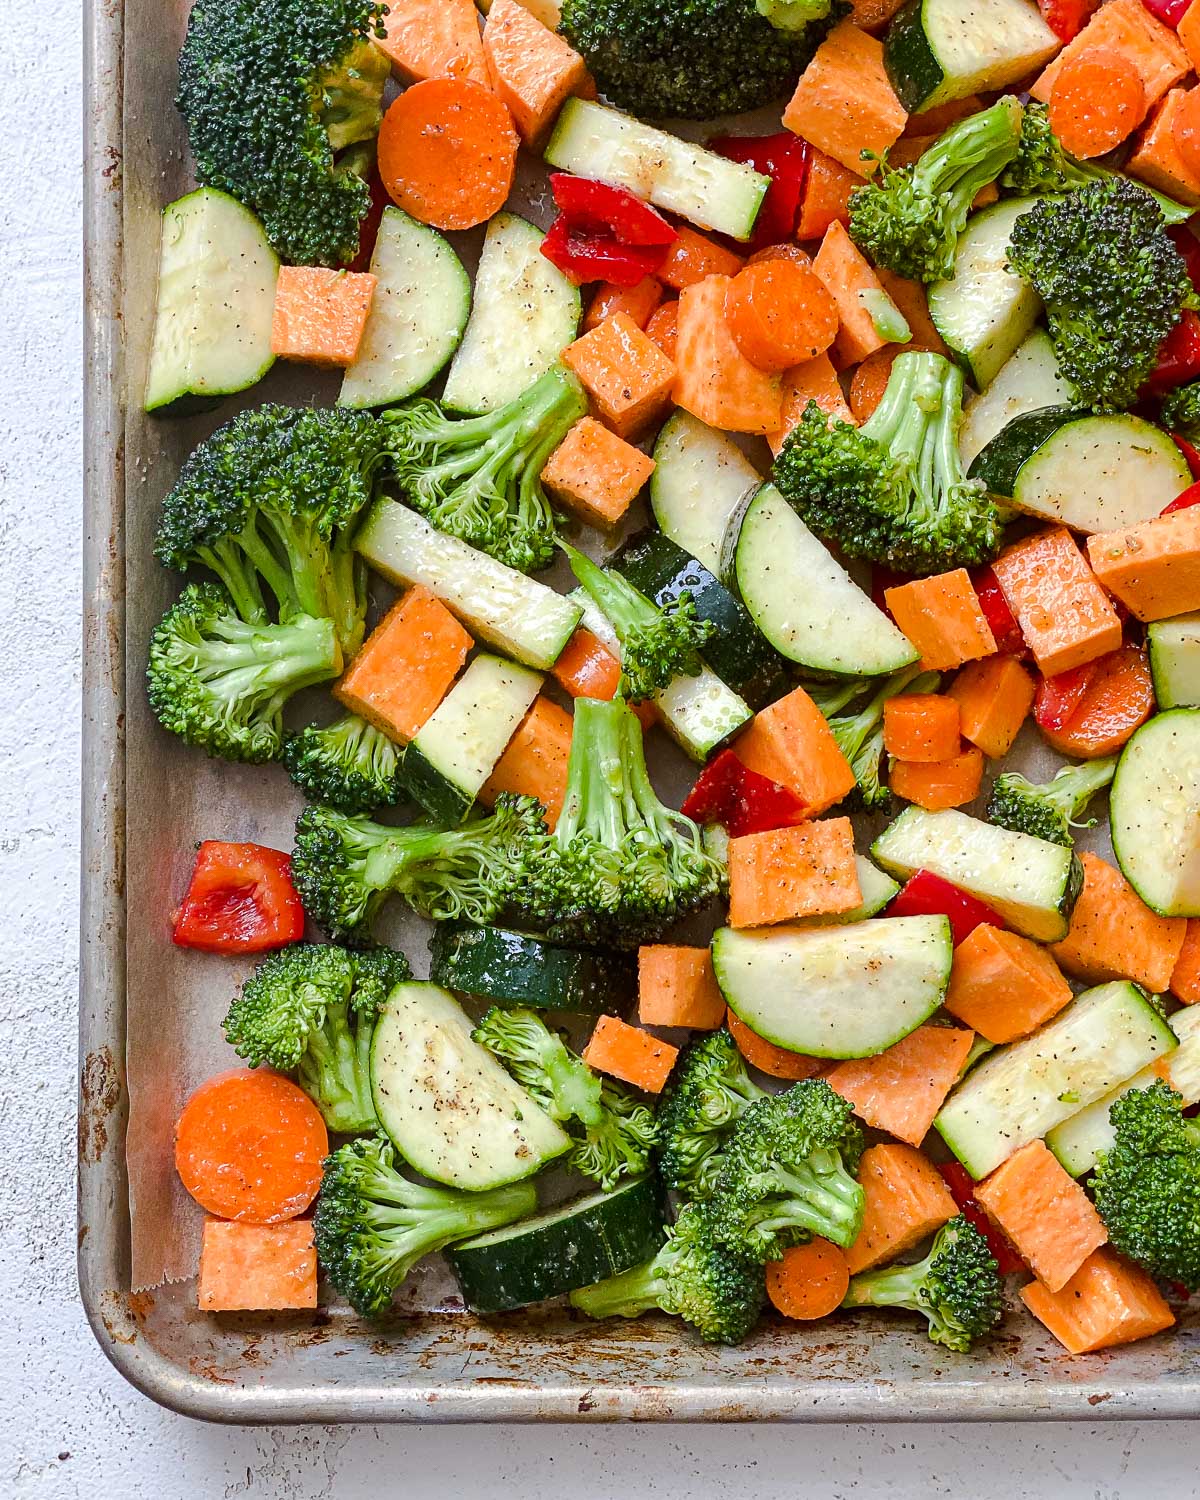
point(310, 1010)
point(657, 645)
point(372, 1224)
point(894, 490)
point(345, 867)
point(709, 1092)
point(619, 867)
point(956, 1287)
point(793, 15)
point(859, 736)
point(618, 1131)
point(1051, 810)
point(909, 219)
point(479, 478)
point(348, 764)
point(692, 1277)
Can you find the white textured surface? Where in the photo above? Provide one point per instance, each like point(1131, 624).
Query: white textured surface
point(69, 1426)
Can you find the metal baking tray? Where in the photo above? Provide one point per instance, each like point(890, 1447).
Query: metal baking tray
point(145, 802)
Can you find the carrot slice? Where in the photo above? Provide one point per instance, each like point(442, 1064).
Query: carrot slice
point(1097, 100)
point(249, 1147)
point(786, 251)
point(447, 152)
point(1118, 698)
point(780, 314)
point(775, 1062)
point(870, 380)
point(663, 328)
point(809, 1281)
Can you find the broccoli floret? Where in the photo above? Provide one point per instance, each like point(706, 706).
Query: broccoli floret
point(221, 682)
point(1113, 283)
point(620, 867)
point(271, 91)
point(373, 1224)
point(1147, 1187)
point(957, 1287)
point(310, 1010)
point(894, 490)
point(709, 1092)
point(693, 1277)
point(618, 1130)
point(345, 867)
point(1180, 411)
point(788, 1174)
point(693, 59)
point(859, 735)
point(657, 645)
point(909, 218)
point(270, 500)
point(348, 764)
point(479, 478)
point(1051, 810)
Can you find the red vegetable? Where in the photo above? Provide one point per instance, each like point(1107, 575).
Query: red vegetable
point(997, 613)
point(1190, 497)
point(368, 230)
point(598, 207)
point(1178, 356)
point(729, 792)
point(882, 579)
point(240, 900)
point(1190, 453)
point(962, 1190)
point(599, 257)
point(1169, 12)
point(1065, 18)
point(1059, 697)
point(927, 894)
point(784, 158)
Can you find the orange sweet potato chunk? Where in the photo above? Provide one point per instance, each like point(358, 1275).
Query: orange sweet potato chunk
point(994, 697)
point(1108, 1301)
point(844, 103)
point(943, 619)
point(814, 380)
point(534, 763)
point(1114, 935)
point(1048, 1217)
point(805, 871)
point(677, 987)
point(257, 1267)
point(1003, 985)
point(1157, 160)
point(1126, 27)
point(597, 474)
point(533, 69)
point(434, 39)
point(790, 742)
point(902, 1089)
point(906, 1201)
point(320, 315)
point(625, 373)
point(1152, 568)
point(1064, 614)
point(635, 1057)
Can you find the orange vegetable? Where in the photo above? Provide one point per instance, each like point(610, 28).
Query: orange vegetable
point(906, 1201)
point(663, 329)
point(952, 782)
point(714, 380)
point(1185, 128)
point(1114, 935)
point(586, 668)
point(1108, 1301)
point(1153, 568)
point(873, 14)
point(1063, 612)
point(633, 1056)
point(1126, 27)
point(1097, 99)
point(533, 70)
point(407, 665)
point(844, 103)
point(902, 1089)
point(786, 251)
point(597, 474)
point(1003, 985)
point(249, 1146)
point(447, 152)
point(1118, 698)
point(921, 727)
point(994, 697)
point(693, 256)
point(638, 302)
point(942, 617)
point(870, 380)
point(780, 314)
point(1185, 977)
point(815, 380)
point(848, 275)
point(791, 742)
point(534, 763)
point(434, 39)
point(257, 1267)
point(319, 315)
point(1188, 34)
point(808, 1281)
point(1044, 1212)
point(625, 373)
point(677, 987)
point(826, 198)
point(808, 870)
point(1165, 154)
point(933, 122)
point(775, 1062)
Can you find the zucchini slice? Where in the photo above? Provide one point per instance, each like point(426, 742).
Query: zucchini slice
point(937, 50)
point(574, 1245)
point(1154, 808)
point(1027, 382)
point(700, 476)
point(513, 969)
point(447, 1105)
point(850, 991)
point(1175, 660)
point(1015, 444)
point(1020, 1092)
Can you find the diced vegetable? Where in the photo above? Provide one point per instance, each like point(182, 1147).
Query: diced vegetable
point(639, 301)
point(240, 899)
point(780, 314)
point(728, 793)
point(1154, 568)
point(921, 727)
point(1063, 612)
point(1108, 1301)
point(1154, 807)
point(1185, 980)
point(257, 1267)
point(1113, 935)
point(320, 315)
point(532, 69)
point(941, 784)
point(534, 762)
point(1003, 986)
point(1127, 28)
point(513, 969)
point(902, 1089)
point(1044, 1212)
point(714, 380)
point(677, 987)
point(844, 104)
point(595, 473)
point(790, 742)
point(1092, 711)
point(942, 618)
point(626, 374)
point(434, 39)
point(939, 50)
point(994, 697)
point(906, 1202)
point(925, 894)
point(633, 1056)
point(808, 1281)
point(1097, 101)
point(1174, 647)
point(804, 871)
point(1157, 159)
point(857, 293)
point(692, 257)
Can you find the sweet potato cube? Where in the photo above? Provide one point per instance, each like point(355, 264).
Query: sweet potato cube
point(1044, 1212)
point(942, 617)
point(663, 328)
point(1114, 935)
point(850, 280)
point(1157, 160)
point(1108, 1301)
point(677, 987)
point(808, 870)
point(906, 1201)
point(534, 763)
point(994, 697)
point(596, 474)
point(790, 742)
point(902, 1089)
point(921, 727)
point(934, 785)
point(257, 1267)
point(434, 39)
point(532, 68)
point(814, 380)
point(1003, 985)
point(826, 197)
point(714, 379)
point(1064, 614)
point(1153, 568)
point(1188, 33)
point(625, 373)
point(693, 256)
point(633, 1056)
point(844, 103)
point(640, 302)
point(320, 315)
point(1127, 27)
point(1185, 977)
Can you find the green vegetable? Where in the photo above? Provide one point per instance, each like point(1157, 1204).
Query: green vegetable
point(860, 735)
point(1051, 810)
point(1180, 411)
point(793, 15)
point(710, 1090)
point(348, 764)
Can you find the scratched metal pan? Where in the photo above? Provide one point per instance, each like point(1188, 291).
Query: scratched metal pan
point(144, 804)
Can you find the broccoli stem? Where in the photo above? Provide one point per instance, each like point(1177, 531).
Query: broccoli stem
point(626, 608)
point(893, 1286)
point(1074, 786)
point(266, 664)
point(971, 153)
point(818, 1195)
point(336, 1070)
point(626, 1295)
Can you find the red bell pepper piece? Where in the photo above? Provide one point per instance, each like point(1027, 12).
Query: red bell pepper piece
point(368, 230)
point(1178, 356)
point(997, 613)
point(784, 158)
point(729, 792)
point(1189, 248)
point(581, 256)
point(600, 208)
point(1190, 453)
point(882, 579)
point(1058, 698)
point(1065, 18)
point(1190, 497)
point(240, 900)
point(1169, 12)
point(962, 1190)
point(927, 894)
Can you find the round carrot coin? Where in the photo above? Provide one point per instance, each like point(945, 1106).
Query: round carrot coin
point(776, 1062)
point(810, 1281)
point(780, 314)
point(1097, 100)
point(1186, 130)
point(871, 378)
point(787, 251)
point(249, 1146)
point(1119, 699)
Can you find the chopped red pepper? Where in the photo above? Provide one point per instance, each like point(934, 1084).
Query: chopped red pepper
point(240, 900)
point(1190, 453)
point(784, 158)
point(962, 1190)
point(368, 230)
point(1169, 12)
point(1058, 698)
point(927, 894)
point(581, 256)
point(729, 792)
point(599, 207)
point(997, 613)
point(882, 579)
point(1189, 247)
point(1190, 497)
point(1066, 18)
point(1178, 356)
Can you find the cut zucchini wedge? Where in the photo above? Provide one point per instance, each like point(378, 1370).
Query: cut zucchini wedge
point(938, 50)
point(699, 477)
point(1029, 381)
point(1175, 660)
point(513, 969)
point(1154, 807)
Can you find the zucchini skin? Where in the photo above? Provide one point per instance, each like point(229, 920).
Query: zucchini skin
point(512, 969)
point(912, 69)
point(1003, 458)
point(436, 793)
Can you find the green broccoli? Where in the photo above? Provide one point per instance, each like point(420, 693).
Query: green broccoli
point(1180, 411)
point(620, 867)
point(618, 1130)
point(1147, 1187)
point(692, 1277)
point(657, 645)
point(859, 735)
point(479, 478)
point(1051, 810)
point(957, 1287)
point(271, 93)
point(909, 218)
point(348, 764)
point(372, 1224)
point(345, 868)
point(1113, 283)
point(310, 1010)
point(220, 682)
point(793, 15)
point(894, 490)
point(710, 1090)
point(788, 1174)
